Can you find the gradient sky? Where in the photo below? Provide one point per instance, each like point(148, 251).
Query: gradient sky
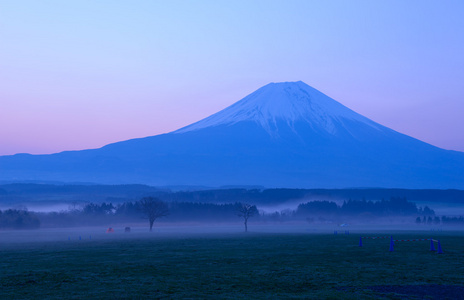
point(82, 74)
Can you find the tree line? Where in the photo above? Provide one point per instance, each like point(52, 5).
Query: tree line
point(92, 214)
point(443, 220)
point(150, 208)
point(31, 192)
point(18, 219)
point(396, 206)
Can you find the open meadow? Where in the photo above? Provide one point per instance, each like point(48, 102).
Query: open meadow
point(224, 262)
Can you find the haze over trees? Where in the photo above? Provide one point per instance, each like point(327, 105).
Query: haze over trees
point(24, 193)
point(18, 219)
point(112, 205)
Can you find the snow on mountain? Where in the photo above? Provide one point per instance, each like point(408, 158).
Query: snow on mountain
point(289, 102)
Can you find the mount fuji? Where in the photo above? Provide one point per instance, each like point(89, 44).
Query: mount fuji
point(282, 135)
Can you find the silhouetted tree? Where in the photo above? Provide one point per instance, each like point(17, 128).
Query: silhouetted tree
point(246, 211)
point(153, 208)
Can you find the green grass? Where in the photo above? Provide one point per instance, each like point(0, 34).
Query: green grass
point(229, 265)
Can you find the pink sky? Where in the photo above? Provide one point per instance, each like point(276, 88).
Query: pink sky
point(79, 74)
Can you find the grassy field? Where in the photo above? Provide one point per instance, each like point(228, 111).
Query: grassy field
point(231, 265)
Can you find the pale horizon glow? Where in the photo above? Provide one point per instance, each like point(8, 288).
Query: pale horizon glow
point(81, 74)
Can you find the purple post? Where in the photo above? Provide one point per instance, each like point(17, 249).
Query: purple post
point(439, 251)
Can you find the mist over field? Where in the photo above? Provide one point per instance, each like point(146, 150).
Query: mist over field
point(53, 206)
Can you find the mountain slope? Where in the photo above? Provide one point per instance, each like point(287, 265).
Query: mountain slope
point(282, 135)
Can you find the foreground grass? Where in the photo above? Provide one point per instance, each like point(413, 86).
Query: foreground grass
point(253, 265)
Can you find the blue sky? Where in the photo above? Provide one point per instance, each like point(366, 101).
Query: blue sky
point(81, 74)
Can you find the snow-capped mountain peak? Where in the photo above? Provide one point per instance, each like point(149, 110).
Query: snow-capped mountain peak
point(286, 101)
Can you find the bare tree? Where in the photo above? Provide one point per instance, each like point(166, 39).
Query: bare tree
point(246, 211)
point(153, 208)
